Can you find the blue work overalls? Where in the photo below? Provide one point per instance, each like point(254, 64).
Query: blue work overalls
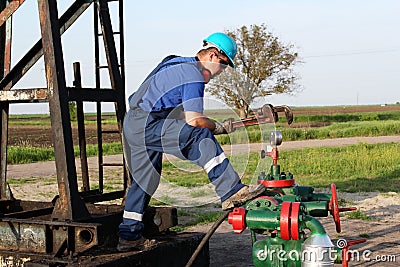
point(146, 136)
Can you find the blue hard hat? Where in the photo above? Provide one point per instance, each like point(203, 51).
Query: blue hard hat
point(225, 43)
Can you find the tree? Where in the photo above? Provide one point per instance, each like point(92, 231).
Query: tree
point(264, 66)
point(72, 110)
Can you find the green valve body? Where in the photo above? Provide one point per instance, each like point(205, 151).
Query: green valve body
point(284, 218)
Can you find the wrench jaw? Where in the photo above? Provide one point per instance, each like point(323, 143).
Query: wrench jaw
point(266, 114)
point(288, 113)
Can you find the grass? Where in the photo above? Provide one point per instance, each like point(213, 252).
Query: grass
point(354, 168)
point(47, 122)
point(345, 129)
point(343, 125)
point(359, 116)
point(20, 181)
point(205, 217)
point(191, 217)
point(29, 154)
point(364, 235)
point(253, 134)
point(357, 215)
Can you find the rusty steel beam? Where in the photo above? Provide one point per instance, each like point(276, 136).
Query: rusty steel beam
point(69, 205)
point(29, 230)
point(94, 196)
point(33, 55)
point(117, 83)
point(81, 129)
point(92, 95)
point(40, 95)
point(5, 64)
point(7, 12)
point(47, 237)
point(28, 214)
point(98, 104)
point(24, 95)
point(116, 72)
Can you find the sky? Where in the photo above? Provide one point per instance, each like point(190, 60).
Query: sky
point(350, 49)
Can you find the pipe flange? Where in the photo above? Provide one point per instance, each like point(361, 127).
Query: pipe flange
point(277, 183)
point(294, 221)
point(285, 220)
point(237, 218)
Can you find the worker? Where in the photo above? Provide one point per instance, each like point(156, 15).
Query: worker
point(166, 116)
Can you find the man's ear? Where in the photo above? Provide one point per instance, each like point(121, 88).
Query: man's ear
point(211, 54)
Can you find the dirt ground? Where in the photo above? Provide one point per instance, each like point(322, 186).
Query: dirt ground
point(382, 230)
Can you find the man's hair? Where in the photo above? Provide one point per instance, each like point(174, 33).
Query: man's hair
point(203, 52)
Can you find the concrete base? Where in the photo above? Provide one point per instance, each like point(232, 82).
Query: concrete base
point(173, 250)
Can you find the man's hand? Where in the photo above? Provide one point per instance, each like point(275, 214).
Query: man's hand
point(224, 127)
point(228, 125)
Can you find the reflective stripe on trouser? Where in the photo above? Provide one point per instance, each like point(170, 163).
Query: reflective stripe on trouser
point(143, 150)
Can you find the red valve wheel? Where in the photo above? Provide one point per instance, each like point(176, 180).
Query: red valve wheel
point(334, 208)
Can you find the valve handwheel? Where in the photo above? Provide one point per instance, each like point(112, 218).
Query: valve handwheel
point(334, 208)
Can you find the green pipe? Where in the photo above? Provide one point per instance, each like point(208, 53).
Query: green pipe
point(314, 225)
point(260, 219)
point(316, 208)
point(321, 197)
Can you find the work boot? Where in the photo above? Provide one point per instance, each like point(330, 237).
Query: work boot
point(141, 244)
point(244, 194)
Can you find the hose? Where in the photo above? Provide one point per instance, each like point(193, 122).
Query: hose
point(206, 238)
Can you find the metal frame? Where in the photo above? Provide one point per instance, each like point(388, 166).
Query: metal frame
point(71, 223)
point(72, 230)
point(102, 17)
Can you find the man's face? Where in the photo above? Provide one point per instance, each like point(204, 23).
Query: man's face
point(219, 63)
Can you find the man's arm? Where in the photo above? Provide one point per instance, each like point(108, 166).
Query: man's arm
point(197, 119)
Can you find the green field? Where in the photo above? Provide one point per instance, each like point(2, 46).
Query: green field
point(354, 168)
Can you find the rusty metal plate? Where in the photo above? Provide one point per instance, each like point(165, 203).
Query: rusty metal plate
point(158, 219)
point(22, 237)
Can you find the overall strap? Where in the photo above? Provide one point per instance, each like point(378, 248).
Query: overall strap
point(136, 98)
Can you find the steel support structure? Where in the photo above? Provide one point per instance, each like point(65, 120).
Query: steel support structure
point(71, 223)
point(69, 205)
point(5, 64)
point(60, 232)
point(116, 70)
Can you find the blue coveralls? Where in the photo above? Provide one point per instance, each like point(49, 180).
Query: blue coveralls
point(151, 128)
